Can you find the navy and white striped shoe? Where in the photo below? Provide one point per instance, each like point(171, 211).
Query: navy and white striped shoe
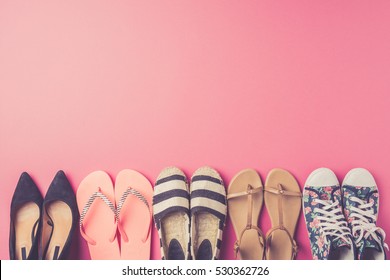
point(208, 213)
point(171, 212)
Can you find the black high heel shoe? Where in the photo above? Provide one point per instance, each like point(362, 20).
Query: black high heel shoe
point(59, 219)
point(25, 220)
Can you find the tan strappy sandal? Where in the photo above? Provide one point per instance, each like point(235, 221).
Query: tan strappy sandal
point(245, 199)
point(283, 200)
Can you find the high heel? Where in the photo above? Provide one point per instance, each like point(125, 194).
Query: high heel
point(26, 207)
point(59, 219)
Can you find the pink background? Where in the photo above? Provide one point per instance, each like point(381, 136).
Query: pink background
point(89, 85)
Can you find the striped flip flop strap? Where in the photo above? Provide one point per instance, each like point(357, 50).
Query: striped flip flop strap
point(131, 191)
point(97, 195)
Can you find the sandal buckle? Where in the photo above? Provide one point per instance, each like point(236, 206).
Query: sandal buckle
point(295, 250)
point(235, 248)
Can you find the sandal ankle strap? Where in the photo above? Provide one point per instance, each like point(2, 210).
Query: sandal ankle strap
point(250, 190)
point(237, 243)
point(294, 245)
point(280, 191)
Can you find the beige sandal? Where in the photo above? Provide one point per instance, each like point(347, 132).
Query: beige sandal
point(245, 198)
point(283, 199)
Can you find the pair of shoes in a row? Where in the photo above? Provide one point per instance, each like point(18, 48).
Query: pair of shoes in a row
point(109, 214)
point(341, 221)
point(189, 219)
point(282, 196)
point(42, 228)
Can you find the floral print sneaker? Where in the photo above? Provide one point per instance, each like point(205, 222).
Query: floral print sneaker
point(361, 203)
point(329, 234)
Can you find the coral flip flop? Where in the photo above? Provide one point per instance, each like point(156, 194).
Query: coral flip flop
point(133, 196)
point(283, 200)
point(245, 200)
point(98, 223)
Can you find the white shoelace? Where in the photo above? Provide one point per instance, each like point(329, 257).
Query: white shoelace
point(362, 225)
point(332, 220)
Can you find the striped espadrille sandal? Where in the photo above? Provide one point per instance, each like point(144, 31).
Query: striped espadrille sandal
point(172, 214)
point(208, 213)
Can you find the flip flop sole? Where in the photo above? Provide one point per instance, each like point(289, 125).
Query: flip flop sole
point(99, 221)
point(135, 215)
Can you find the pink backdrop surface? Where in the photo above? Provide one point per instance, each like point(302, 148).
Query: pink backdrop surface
point(110, 85)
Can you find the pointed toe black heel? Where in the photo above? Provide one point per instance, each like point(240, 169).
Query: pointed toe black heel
point(59, 219)
point(25, 220)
